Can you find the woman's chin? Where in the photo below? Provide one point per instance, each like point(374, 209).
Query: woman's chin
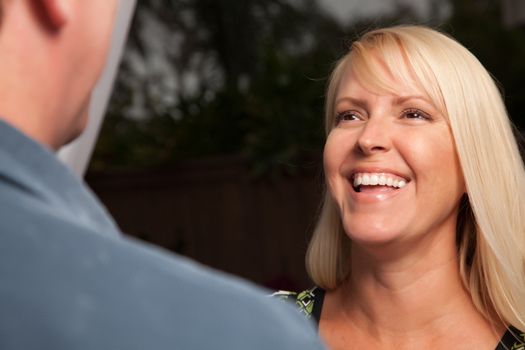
point(376, 240)
point(373, 233)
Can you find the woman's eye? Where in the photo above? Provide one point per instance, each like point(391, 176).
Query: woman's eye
point(346, 116)
point(416, 114)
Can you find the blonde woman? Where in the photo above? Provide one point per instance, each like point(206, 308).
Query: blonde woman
point(420, 243)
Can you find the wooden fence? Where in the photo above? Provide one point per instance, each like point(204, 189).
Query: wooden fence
point(217, 213)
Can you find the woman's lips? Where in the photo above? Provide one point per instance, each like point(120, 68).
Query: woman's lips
point(374, 189)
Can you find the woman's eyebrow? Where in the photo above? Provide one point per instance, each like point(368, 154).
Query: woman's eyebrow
point(402, 99)
point(363, 103)
point(354, 101)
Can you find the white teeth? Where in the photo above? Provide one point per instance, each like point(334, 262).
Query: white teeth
point(365, 180)
point(378, 179)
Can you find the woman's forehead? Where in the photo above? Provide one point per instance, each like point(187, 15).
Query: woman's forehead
point(355, 85)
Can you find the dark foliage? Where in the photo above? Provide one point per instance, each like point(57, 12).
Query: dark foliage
point(256, 71)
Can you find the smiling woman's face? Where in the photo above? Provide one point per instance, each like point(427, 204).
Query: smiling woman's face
point(391, 165)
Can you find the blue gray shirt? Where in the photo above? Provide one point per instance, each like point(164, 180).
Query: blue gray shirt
point(69, 280)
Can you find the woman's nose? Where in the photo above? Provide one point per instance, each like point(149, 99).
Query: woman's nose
point(375, 137)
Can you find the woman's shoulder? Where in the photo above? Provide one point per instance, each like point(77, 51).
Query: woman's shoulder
point(309, 302)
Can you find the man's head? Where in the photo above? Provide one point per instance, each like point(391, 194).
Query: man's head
point(52, 53)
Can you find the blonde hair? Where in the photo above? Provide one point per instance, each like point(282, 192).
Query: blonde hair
point(491, 220)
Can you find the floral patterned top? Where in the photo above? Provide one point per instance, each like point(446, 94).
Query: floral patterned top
point(310, 304)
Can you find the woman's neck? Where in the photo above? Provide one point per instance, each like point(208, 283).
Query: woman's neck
point(416, 299)
point(404, 299)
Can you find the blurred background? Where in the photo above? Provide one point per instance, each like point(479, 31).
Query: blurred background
point(212, 143)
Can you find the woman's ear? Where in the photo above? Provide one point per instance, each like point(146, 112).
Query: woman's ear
point(56, 12)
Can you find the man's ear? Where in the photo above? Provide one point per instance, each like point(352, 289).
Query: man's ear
point(56, 12)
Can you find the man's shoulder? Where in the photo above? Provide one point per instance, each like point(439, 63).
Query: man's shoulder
point(79, 289)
